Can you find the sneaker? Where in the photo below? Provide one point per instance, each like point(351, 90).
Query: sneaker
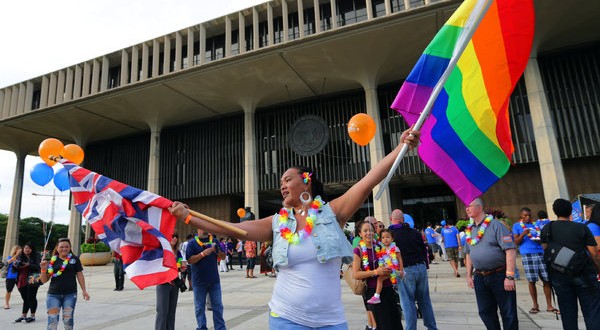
point(374, 300)
point(30, 319)
point(20, 319)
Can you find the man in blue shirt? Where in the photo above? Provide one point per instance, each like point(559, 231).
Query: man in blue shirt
point(430, 235)
point(201, 254)
point(450, 237)
point(527, 236)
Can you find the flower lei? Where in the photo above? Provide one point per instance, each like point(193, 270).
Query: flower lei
point(306, 177)
point(62, 267)
point(387, 256)
point(365, 255)
point(535, 227)
point(296, 238)
point(210, 241)
point(179, 261)
point(480, 232)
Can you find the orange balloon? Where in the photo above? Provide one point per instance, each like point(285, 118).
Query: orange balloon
point(50, 147)
point(361, 129)
point(241, 212)
point(73, 153)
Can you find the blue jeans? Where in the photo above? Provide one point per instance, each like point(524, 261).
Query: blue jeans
point(56, 302)
point(279, 323)
point(214, 291)
point(569, 290)
point(490, 294)
point(415, 287)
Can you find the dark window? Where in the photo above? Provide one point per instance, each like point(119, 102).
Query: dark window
point(278, 29)
point(114, 77)
point(309, 21)
point(325, 12)
point(378, 8)
point(235, 42)
point(249, 37)
point(215, 48)
point(263, 34)
point(293, 27)
point(351, 11)
point(35, 102)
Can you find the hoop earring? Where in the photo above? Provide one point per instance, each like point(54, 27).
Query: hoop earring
point(305, 198)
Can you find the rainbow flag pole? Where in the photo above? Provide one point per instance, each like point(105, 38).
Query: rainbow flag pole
point(471, 25)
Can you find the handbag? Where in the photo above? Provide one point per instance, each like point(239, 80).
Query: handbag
point(357, 286)
point(563, 259)
point(4, 270)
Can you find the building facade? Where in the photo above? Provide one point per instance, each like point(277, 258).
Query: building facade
point(213, 114)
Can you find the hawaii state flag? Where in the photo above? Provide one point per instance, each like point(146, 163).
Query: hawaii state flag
point(133, 222)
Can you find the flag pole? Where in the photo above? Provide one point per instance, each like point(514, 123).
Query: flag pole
point(463, 41)
point(219, 223)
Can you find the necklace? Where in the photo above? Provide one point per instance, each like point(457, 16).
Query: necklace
point(296, 238)
point(62, 267)
point(388, 257)
point(535, 227)
point(365, 255)
point(208, 244)
point(480, 232)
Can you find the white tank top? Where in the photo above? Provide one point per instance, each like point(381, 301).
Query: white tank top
point(308, 292)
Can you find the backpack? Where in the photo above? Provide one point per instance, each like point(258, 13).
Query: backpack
point(562, 259)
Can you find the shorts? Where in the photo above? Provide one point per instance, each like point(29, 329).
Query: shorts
point(251, 263)
point(452, 253)
point(434, 247)
point(10, 284)
point(534, 265)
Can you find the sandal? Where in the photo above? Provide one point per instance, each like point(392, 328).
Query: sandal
point(553, 310)
point(534, 311)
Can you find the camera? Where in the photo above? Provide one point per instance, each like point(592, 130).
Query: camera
point(180, 284)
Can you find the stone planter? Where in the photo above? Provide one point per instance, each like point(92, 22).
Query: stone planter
point(95, 259)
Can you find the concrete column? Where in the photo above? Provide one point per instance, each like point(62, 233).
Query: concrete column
point(382, 207)
point(28, 97)
point(271, 29)
point(95, 77)
point(227, 36)
point(388, 7)
point(6, 102)
point(145, 61)
point(135, 68)
point(406, 4)
point(317, 9)
point(104, 75)
point(69, 85)
point(242, 32)
point(125, 74)
point(178, 51)
point(74, 231)
point(21, 99)
point(44, 92)
point(60, 87)
point(284, 14)
point(14, 99)
point(155, 58)
point(190, 48)
point(87, 79)
point(369, 6)
point(12, 227)
point(301, 18)
point(166, 56)
point(333, 14)
point(202, 55)
point(78, 82)
point(255, 34)
point(154, 161)
point(2, 116)
point(52, 90)
point(551, 169)
point(250, 163)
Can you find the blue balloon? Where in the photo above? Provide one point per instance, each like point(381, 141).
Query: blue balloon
point(41, 174)
point(61, 179)
point(409, 220)
point(443, 222)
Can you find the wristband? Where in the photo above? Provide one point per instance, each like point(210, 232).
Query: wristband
point(510, 273)
point(187, 219)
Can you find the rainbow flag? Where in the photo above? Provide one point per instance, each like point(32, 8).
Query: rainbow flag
point(466, 140)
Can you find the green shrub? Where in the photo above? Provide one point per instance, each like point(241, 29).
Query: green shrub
point(94, 247)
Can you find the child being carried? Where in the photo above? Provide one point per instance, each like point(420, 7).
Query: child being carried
point(388, 255)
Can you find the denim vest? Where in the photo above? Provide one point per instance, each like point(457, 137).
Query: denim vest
point(327, 236)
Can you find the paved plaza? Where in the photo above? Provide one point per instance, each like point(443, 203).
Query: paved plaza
point(245, 302)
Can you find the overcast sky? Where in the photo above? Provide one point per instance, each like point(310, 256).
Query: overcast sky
point(39, 37)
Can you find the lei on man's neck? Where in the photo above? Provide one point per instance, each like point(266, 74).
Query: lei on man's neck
point(296, 238)
point(208, 244)
point(535, 228)
point(480, 232)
